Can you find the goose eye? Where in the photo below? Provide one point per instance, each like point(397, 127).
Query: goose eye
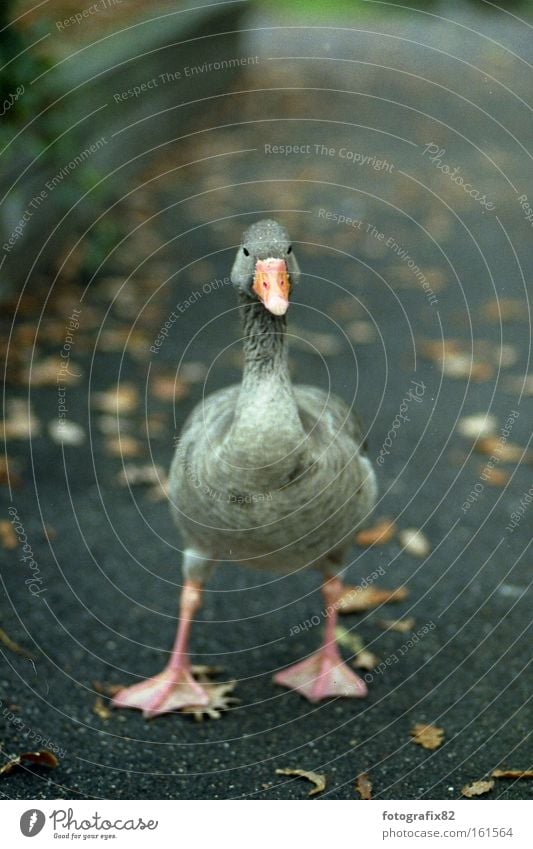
point(245, 252)
point(289, 249)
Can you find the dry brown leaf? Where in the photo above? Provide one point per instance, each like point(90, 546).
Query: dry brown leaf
point(357, 599)
point(8, 470)
point(316, 778)
point(361, 332)
point(47, 372)
point(414, 542)
point(40, 758)
point(219, 696)
point(20, 422)
point(477, 426)
point(494, 477)
point(477, 788)
point(119, 400)
point(148, 475)
point(506, 309)
point(13, 646)
point(168, 387)
point(512, 773)
point(507, 452)
point(518, 385)
point(349, 639)
point(379, 534)
point(427, 736)
point(363, 785)
point(64, 432)
point(402, 626)
point(8, 537)
point(124, 446)
point(366, 660)
point(100, 709)
point(107, 689)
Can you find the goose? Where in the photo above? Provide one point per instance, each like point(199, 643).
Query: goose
point(266, 474)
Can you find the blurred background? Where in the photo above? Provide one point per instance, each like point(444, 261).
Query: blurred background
point(136, 145)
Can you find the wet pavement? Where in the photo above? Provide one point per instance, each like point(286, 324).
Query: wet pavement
point(410, 278)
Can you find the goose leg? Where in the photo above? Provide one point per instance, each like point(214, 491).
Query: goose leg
point(324, 674)
point(174, 687)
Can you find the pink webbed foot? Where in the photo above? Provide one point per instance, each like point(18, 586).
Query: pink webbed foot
point(323, 675)
point(168, 691)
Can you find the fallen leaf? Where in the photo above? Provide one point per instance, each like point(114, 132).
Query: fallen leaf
point(40, 758)
point(363, 785)
point(494, 477)
point(414, 542)
point(8, 537)
point(100, 709)
point(66, 433)
point(477, 426)
point(427, 736)
point(512, 773)
point(379, 534)
point(316, 778)
point(366, 660)
point(219, 696)
point(168, 387)
point(133, 475)
point(120, 399)
point(312, 342)
point(518, 385)
point(20, 422)
point(13, 646)
point(349, 639)
point(8, 470)
point(124, 446)
point(402, 626)
point(507, 452)
point(49, 371)
point(107, 689)
point(506, 309)
point(361, 332)
point(477, 788)
point(193, 372)
point(357, 599)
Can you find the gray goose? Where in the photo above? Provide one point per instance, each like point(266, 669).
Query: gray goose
point(267, 474)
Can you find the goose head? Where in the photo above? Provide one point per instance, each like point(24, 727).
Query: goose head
point(265, 267)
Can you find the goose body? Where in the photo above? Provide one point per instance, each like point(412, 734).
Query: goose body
point(268, 474)
point(299, 512)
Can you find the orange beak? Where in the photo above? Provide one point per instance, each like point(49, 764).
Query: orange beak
point(271, 285)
